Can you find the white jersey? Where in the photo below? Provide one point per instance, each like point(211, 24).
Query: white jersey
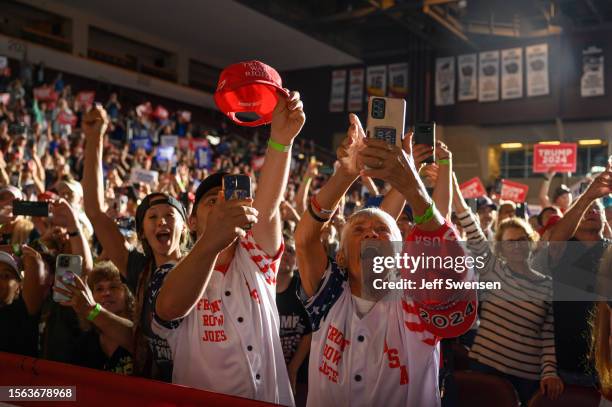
point(389, 357)
point(229, 343)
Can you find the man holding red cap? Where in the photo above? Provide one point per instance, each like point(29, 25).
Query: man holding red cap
point(217, 307)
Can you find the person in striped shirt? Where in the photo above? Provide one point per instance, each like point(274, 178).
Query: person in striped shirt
point(515, 338)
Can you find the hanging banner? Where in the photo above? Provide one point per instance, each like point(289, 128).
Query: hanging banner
point(592, 81)
point(536, 57)
point(488, 76)
point(376, 80)
point(512, 73)
point(513, 191)
point(560, 157)
point(398, 80)
point(338, 86)
point(355, 93)
point(468, 82)
point(445, 81)
point(472, 188)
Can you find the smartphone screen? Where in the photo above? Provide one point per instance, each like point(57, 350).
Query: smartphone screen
point(425, 133)
point(31, 208)
point(66, 266)
point(237, 187)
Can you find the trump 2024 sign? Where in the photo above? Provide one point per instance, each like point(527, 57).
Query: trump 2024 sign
point(560, 157)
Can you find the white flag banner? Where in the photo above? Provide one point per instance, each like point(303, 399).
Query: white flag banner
point(592, 80)
point(488, 76)
point(398, 80)
point(512, 73)
point(338, 87)
point(376, 80)
point(468, 81)
point(536, 57)
point(445, 81)
point(355, 93)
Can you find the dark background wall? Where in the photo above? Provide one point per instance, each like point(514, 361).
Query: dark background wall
point(563, 102)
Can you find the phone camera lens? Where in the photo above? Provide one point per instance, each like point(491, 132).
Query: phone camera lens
point(378, 108)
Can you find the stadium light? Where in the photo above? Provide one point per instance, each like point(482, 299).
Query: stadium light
point(507, 146)
point(593, 142)
point(553, 143)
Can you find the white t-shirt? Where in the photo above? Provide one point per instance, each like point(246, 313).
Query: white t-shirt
point(229, 343)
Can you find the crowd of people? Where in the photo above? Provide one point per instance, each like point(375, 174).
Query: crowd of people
point(264, 296)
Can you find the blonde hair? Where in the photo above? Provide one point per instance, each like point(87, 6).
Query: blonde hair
point(396, 234)
point(514, 223)
point(21, 231)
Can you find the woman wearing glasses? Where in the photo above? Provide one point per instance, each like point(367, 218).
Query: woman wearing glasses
point(515, 338)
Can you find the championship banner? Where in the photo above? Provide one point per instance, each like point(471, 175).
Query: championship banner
point(488, 76)
point(355, 92)
point(398, 80)
point(338, 86)
point(86, 98)
point(472, 188)
point(376, 82)
point(560, 157)
point(468, 82)
point(445, 81)
point(513, 191)
point(537, 70)
point(138, 175)
point(512, 73)
point(592, 80)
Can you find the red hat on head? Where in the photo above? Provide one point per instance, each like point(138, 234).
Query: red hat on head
point(250, 86)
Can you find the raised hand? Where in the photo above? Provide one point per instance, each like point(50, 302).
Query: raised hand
point(63, 215)
point(288, 118)
point(95, 122)
point(601, 185)
point(79, 296)
point(228, 221)
point(347, 153)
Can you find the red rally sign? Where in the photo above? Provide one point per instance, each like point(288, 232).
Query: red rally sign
point(513, 191)
point(560, 157)
point(472, 188)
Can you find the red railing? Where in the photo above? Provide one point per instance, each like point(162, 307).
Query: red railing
point(98, 388)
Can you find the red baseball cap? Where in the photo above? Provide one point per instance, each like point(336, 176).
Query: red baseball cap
point(249, 86)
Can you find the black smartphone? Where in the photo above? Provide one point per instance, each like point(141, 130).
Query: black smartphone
point(31, 208)
point(520, 210)
point(237, 187)
point(425, 133)
point(15, 179)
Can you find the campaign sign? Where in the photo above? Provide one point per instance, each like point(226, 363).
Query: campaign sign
point(86, 98)
point(142, 143)
point(165, 153)
point(192, 144)
point(560, 157)
point(203, 158)
point(513, 191)
point(472, 188)
point(169, 141)
point(138, 175)
point(45, 93)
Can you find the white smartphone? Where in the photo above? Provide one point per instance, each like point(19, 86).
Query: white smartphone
point(66, 266)
point(386, 119)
